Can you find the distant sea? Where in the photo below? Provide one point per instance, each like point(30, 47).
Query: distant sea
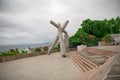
point(21, 46)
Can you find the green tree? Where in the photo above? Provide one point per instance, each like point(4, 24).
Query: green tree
point(98, 29)
point(81, 37)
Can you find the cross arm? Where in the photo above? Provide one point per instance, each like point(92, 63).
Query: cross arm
point(56, 25)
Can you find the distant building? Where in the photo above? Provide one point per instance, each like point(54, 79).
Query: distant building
point(115, 39)
point(29, 50)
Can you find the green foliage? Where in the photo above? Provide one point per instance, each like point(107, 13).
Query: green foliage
point(93, 30)
point(15, 51)
point(57, 46)
point(81, 37)
point(12, 52)
point(100, 28)
point(107, 38)
point(24, 52)
point(37, 50)
point(74, 41)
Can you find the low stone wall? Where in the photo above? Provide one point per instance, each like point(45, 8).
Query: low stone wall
point(19, 56)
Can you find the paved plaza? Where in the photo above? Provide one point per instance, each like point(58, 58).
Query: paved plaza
point(50, 67)
point(43, 67)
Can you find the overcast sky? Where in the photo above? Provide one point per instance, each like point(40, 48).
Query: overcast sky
point(27, 21)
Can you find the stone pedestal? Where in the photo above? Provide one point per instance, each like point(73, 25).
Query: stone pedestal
point(66, 42)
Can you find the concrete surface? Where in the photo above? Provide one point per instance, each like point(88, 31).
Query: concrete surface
point(43, 67)
point(93, 57)
point(51, 67)
point(109, 48)
point(114, 73)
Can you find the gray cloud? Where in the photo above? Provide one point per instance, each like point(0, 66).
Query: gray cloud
point(27, 21)
point(16, 6)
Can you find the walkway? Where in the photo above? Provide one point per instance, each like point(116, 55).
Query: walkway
point(44, 67)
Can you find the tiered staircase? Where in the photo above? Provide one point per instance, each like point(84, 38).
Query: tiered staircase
point(100, 52)
point(90, 66)
point(83, 63)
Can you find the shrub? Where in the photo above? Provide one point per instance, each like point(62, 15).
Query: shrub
point(24, 52)
point(12, 52)
point(81, 37)
point(107, 38)
point(37, 50)
point(57, 46)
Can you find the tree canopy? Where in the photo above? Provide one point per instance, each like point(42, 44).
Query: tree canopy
point(100, 28)
point(91, 31)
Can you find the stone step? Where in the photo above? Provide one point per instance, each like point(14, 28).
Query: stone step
point(85, 59)
point(100, 52)
point(80, 66)
point(104, 51)
point(97, 59)
point(82, 62)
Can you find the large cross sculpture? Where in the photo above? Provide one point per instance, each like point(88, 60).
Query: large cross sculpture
point(64, 42)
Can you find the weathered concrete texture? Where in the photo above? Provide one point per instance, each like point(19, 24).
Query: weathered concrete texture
point(113, 78)
point(62, 45)
point(114, 73)
point(44, 67)
point(115, 70)
point(93, 57)
point(66, 42)
point(58, 36)
point(109, 48)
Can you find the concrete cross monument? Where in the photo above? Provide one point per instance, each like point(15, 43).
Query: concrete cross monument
point(64, 42)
